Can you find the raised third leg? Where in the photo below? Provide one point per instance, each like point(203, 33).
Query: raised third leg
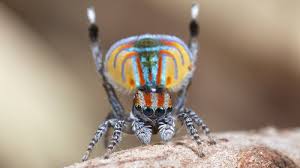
point(117, 107)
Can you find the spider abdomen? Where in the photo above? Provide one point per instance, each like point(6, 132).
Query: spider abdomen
point(148, 61)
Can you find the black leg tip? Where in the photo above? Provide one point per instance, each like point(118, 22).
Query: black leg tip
point(194, 28)
point(212, 142)
point(106, 157)
point(93, 32)
point(201, 155)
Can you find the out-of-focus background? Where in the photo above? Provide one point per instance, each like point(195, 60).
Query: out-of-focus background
point(51, 101)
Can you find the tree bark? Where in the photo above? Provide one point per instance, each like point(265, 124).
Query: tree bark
point(264, 148)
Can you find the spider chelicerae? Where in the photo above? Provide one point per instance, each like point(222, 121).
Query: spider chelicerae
point(152, 66)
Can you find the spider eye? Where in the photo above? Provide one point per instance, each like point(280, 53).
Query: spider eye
point(159, 112)
point(138, 107)
point(169, 109)
point(148, 111)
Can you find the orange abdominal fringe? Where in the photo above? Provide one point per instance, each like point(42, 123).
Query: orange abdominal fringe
point(125, 46)
point(169, 43)
point(126, 57)
point(166, 52)
point(129, 55)
point(119, 50)
point(169, 54)
point(172, 44)
point(176, 46)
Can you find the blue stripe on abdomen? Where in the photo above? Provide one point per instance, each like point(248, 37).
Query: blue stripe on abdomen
point(136, 73)
point(163, 72)
point(145, 71)
point(154, 69)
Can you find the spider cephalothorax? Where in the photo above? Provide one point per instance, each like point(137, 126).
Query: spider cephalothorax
point(150, 66)
point(150, 110)
point(152, 105)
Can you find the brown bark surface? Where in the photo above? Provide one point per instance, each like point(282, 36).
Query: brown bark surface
point(243, 149)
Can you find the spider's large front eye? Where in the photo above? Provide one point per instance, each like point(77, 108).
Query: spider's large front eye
point(169, 109)
point(159, 112)
point(148, 111)
point(138, 107)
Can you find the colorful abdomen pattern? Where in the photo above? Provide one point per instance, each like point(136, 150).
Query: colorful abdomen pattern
point(152, 61)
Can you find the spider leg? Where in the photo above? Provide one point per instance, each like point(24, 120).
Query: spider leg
point(193, 47)
point(117, 107)
point(167, 128)
point(199, 122)
point(194, 31)
point(180, 100)
point(141, 130)
point(106, 138)
point(127, 129)
point(108, 134)
point(102, 129)
point(117, 125)
point(116, 137)
point(188, 122)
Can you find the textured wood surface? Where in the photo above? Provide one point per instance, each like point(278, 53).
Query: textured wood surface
point(254, 149)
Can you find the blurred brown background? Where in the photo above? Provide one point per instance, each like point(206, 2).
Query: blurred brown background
point(51, 100)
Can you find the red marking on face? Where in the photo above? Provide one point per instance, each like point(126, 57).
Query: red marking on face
point(147, 97)
point(160, 99)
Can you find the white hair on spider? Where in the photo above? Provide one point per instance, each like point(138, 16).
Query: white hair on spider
point(91, 14)
point(195, 10)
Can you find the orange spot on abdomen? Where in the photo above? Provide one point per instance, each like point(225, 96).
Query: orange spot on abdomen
point(169, 80)
point(190, 67)
point(131, 82)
